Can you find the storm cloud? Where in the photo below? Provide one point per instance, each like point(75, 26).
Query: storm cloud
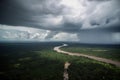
point(81, 18)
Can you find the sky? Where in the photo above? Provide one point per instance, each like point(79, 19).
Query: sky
point(84, 21)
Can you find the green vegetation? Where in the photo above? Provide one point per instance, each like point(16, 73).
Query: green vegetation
point(48, 65)
point(110, 53)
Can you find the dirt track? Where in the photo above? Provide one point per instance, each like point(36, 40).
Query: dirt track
point(88, 56)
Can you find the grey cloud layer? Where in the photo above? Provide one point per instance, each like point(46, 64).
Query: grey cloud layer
point(81, 17)
point(27, 12)
point(44, 13)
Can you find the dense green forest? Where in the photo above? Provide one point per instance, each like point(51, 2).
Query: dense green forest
point(21, 62)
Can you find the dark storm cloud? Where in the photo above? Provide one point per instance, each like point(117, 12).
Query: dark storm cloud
point(115, 27)
point(11, 13)
point(86, 18)
point(95, 37)
point(100, 35)
point(15, 12)
point(72, 27)
point(32, 13)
